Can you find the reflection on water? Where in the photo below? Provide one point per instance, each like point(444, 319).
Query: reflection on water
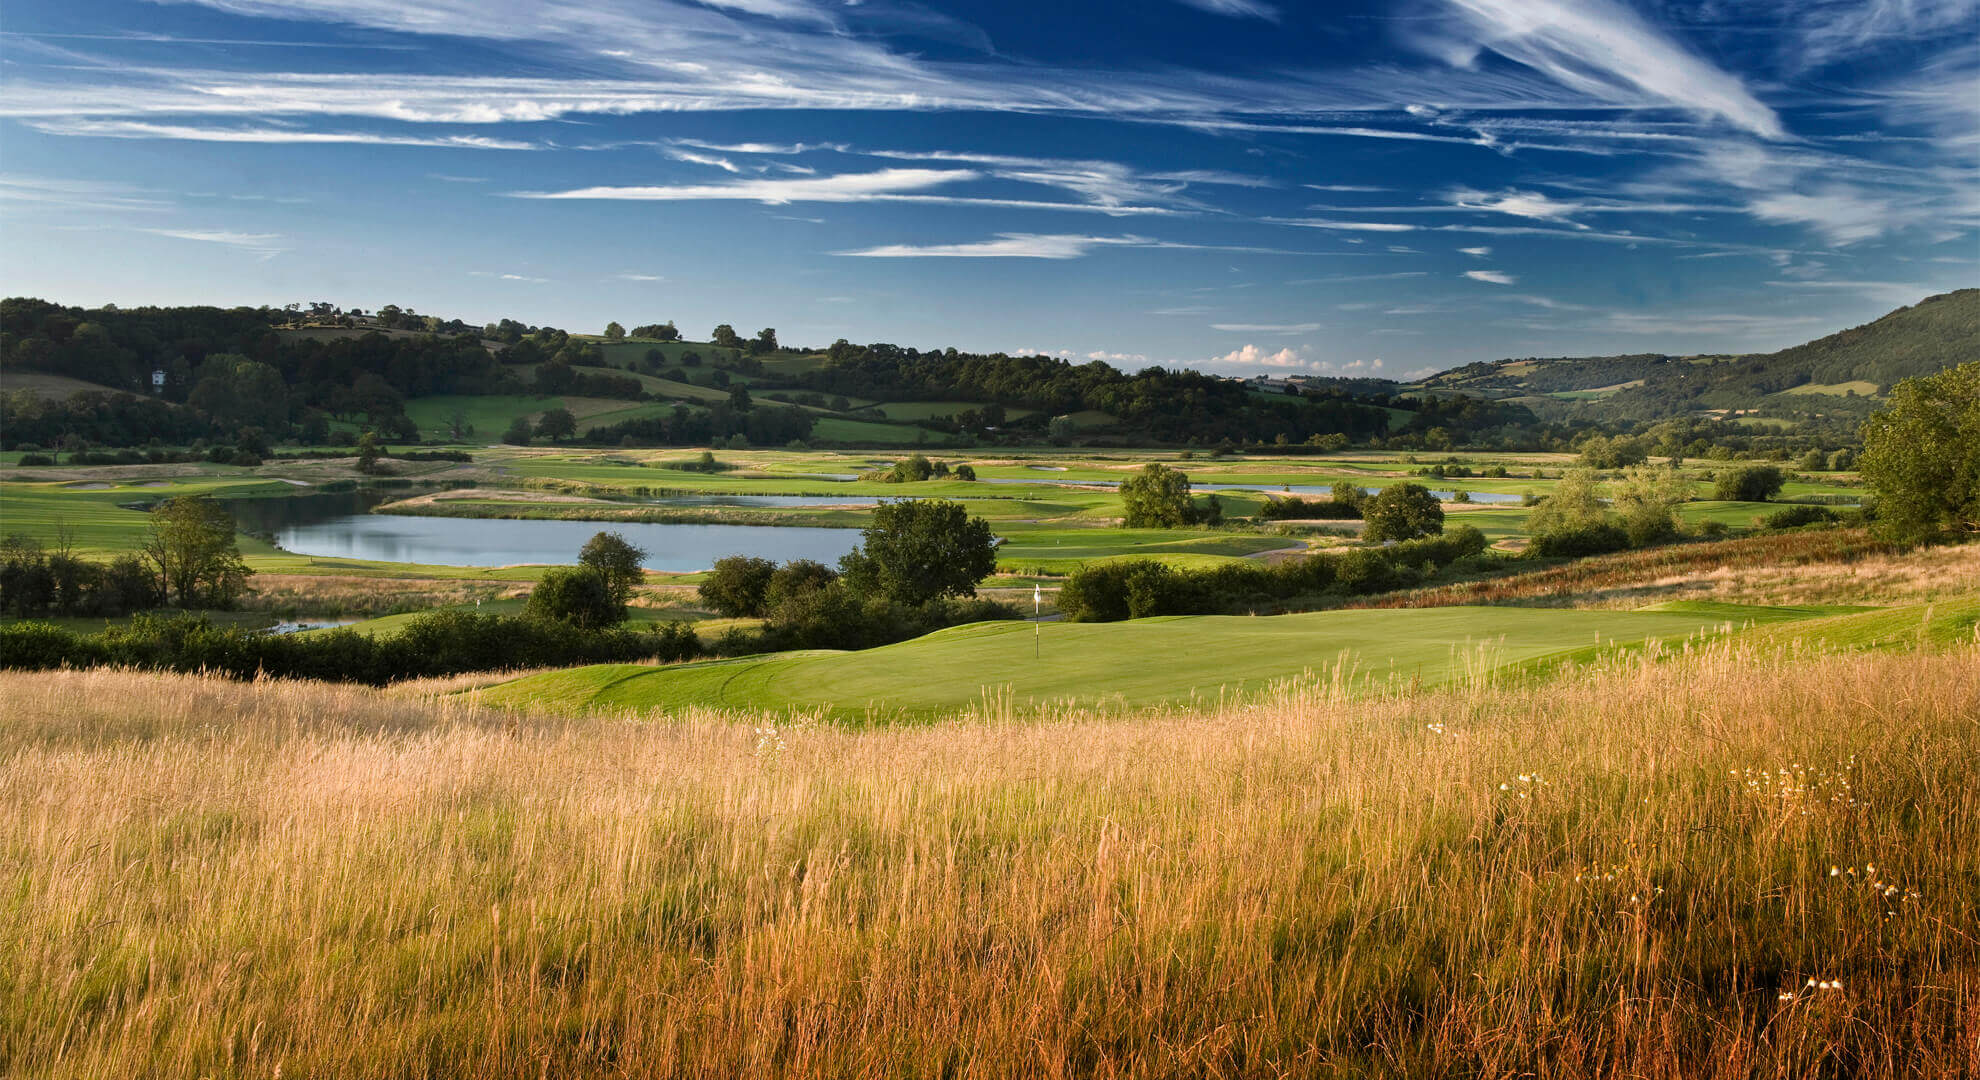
point(337, 526)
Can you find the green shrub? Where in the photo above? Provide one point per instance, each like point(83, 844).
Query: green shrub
point(435, 644)
point(1402, 512)
point(1277, 508)
point(1575, 541)
point(735, 587)
point(579, 596)
point(1794, 517)
point(1753, 483)
point(1138, 588)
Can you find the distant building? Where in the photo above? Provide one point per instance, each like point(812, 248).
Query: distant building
point(158, 380)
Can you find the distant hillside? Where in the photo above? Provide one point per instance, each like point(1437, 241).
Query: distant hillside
point(1844, 374)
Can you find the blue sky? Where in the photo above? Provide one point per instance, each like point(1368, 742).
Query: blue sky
point(1242, 186)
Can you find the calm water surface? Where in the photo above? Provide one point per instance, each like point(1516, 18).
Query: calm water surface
point(338, 526)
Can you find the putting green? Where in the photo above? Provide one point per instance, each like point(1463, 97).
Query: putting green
point(1143, 662)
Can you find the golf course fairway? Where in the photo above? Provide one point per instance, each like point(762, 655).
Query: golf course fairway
point(1142, 662)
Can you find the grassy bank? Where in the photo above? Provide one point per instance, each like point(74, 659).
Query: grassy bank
point(1641, 870)
point(1124, 664)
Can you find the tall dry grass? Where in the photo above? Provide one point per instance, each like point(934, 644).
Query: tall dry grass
point(1637, 871)
point(1821, 566)
point(320, 594)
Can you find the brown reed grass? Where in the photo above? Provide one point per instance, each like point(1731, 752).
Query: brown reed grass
point(1626, 872)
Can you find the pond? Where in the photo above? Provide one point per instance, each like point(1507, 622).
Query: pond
point(339, 526)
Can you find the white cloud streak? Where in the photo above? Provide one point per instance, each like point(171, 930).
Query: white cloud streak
point(1005, 246)
point(1238, 9)
point(1267, 328)
point(1604, 50)
point(138, 129)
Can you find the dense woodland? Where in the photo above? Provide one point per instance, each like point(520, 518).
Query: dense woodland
point(315, 375)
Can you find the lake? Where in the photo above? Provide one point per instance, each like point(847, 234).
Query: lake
point(338, 526)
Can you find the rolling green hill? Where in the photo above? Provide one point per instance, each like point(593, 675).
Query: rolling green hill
point(1843, 373)
point(1142, 662)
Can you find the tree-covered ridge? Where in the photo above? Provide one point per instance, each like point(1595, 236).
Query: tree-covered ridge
point(1170, 406)
point(1930, 336)
point(288, 373)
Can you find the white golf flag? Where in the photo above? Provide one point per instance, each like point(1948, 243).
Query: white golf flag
point(1037, 598)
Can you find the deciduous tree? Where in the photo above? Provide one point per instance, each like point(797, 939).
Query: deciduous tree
point(1157, 497)
point(919, 549)
point(1921, 456)
point(194, 553)
point(578, 596)
point(1402, 512)
point(619, 560)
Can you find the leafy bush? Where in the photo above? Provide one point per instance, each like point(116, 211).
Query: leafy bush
point(735, 587)
point(1794, 517)
point(1753, 483)
point(1576, 540)
point(1277, 508)
point(1402, 512)
point(435, 644)
point(1138, 588)
point(795, 578)
point(579, 596)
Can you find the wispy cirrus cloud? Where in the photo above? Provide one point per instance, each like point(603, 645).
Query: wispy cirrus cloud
point(1338, 279)
point(261, 245)
point(1004, 246)
point(1600, 48)
point(1886, 292)
point(1491, 277)
point(139, 129)
point(693, 158)
point(1828, 30)
point(1053, 246)
point(1526, 204)
point(884, 185)
point(846, 187)
point(1345, 226)
point(1267, 328)
point(93, 195)
point(1241, 9)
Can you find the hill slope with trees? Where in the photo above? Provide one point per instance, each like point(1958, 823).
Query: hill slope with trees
point(1846, 373)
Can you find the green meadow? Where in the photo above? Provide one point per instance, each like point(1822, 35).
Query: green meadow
point(1130, 664)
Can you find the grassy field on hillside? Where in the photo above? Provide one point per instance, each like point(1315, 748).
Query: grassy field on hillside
point(489, 414)
point(1133, 664)
point(838, 429)
point(1719, 863)
point(620, 353)
point(923, 410)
